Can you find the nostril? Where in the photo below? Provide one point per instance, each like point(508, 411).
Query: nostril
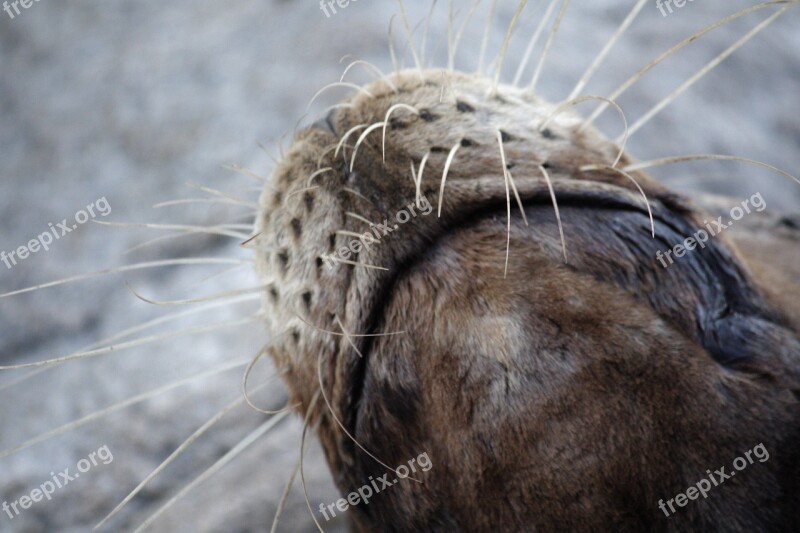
point(327, 122)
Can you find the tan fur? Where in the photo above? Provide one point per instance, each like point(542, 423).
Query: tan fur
point(560, 397)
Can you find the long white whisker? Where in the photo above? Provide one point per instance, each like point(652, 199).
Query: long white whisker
point(392, 53)
point(131, 344)
point(547, 45)
point(485, 40)
point(218, 296)
point(284, 497)
point(245, 172)
point(339, 84)
point(339, 423)
point(646, 201)
point(410, 36)
point(128, 268)
point(504, 48)
point(361, 140)
point(644, 70)
point(581, 85)
point(131, 331)
point(425, 32)
point(216, 467)
point(447, 164)
point(178, 227)
point(196, 201)
point(318, 172)
point(120, 406)
point(391, 110)
point(222, 194)
point(246, 393)
point(174, 455)
point(701, 157)
point(344, 138)
point(555, 207)
point(375, 70)
point(705, 70)
point(311, 407)
point(508, 200)
point(624, 138)
point(461, 33)
point(419, 177)
point(534, 39)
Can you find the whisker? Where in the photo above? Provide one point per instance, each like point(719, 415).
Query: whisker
point(337, 334)
point(361, 140)
point(644, 70)
point(174, 455)
point(311, 407)
point(386, 121)
point(504, 48)
point(447, 164)
point(343, 140)
point(284, 497)
point(347, 338)
point(627, 175)
point(356, 193)
point(317, 173)
point(392, 53)
point(375, 70)
point(547, 45)
point(410, 36)
point(221, 194)
point(131, 331)
point(245, 172)
point(131, 344)
point(354, 263)
point(120, 406)
point(485, 41)
point(128, 268)
point(461, 33)
point(180, 227)
point(425, 32)
point(534, 39)
point(305, 189)
point(218, 296)
point(358, 217)
point(581, 85)
point(508, 199)
point(339, 84)
point(196, 201)
point(348, 233)
point(339, 423)
point(216, 467)
point(246, 394)
point(555, 207)
point(705, 70)
point(510, 178)
point(581, 99)
point(419, 178)
point(702, 157)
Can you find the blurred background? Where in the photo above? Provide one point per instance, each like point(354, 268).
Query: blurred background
point(146, 102)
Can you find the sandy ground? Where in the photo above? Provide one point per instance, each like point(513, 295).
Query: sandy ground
point(142, 102)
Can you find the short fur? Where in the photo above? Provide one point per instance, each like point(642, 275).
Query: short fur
point(559, 397)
